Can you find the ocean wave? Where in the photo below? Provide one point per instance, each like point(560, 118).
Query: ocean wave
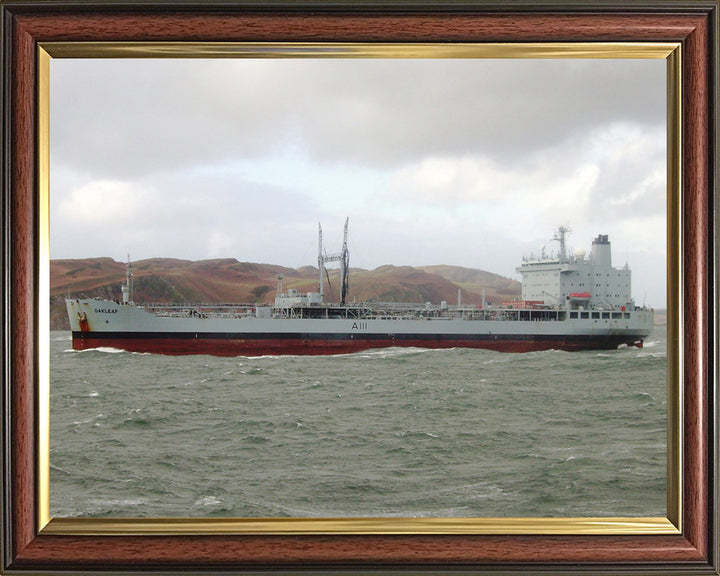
point(397, 351)
point(415, 434)
point(102, 349)
point(475, 490)
point(78, 422)
point(87, 421)
point(118, 502)
point(107, 350)
point(651, 355)
point(503, 360)
point(207, 502)
point(61, 470)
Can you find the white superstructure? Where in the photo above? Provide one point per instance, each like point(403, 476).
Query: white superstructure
point(576, 281)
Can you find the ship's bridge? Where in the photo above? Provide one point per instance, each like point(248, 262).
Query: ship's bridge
point(577, 281)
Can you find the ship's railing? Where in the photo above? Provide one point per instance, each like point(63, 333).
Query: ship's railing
point(437, 313)
point(374, 311)
point(208, 305)
point(201, 310)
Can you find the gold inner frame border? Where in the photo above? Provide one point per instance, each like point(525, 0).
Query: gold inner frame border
point(671, 524)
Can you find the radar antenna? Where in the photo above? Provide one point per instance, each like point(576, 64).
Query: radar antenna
point(560, 235)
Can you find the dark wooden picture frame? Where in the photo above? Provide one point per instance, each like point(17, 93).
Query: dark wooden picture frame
point(28, 24)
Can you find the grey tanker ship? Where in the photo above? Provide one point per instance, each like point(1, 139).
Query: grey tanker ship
point(569, 302)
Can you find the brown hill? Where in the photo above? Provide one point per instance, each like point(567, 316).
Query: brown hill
point(170, 280)
point(473, 282)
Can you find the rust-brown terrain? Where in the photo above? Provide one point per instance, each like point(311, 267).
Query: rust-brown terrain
point(170, 280)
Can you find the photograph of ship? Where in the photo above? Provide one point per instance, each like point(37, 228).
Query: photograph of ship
point(475, 329)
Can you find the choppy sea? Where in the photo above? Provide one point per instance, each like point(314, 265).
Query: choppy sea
point(387, 433)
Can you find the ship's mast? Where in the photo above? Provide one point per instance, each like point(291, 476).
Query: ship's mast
point(321, 263)
point(344, 265)
point(343, 258)
point(127, 287)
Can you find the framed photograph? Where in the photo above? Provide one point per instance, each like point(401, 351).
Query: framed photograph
point(65, 62)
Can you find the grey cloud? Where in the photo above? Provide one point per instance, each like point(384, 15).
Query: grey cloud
point(127, 118)
point(632, 183)
point(178, 215)
point(501, 109)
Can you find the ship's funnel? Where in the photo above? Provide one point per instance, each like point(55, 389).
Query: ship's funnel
point(601, 251)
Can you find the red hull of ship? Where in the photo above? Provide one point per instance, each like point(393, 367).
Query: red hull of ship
point(283, 346)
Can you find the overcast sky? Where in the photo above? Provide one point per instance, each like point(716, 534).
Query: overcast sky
point(467, 162)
